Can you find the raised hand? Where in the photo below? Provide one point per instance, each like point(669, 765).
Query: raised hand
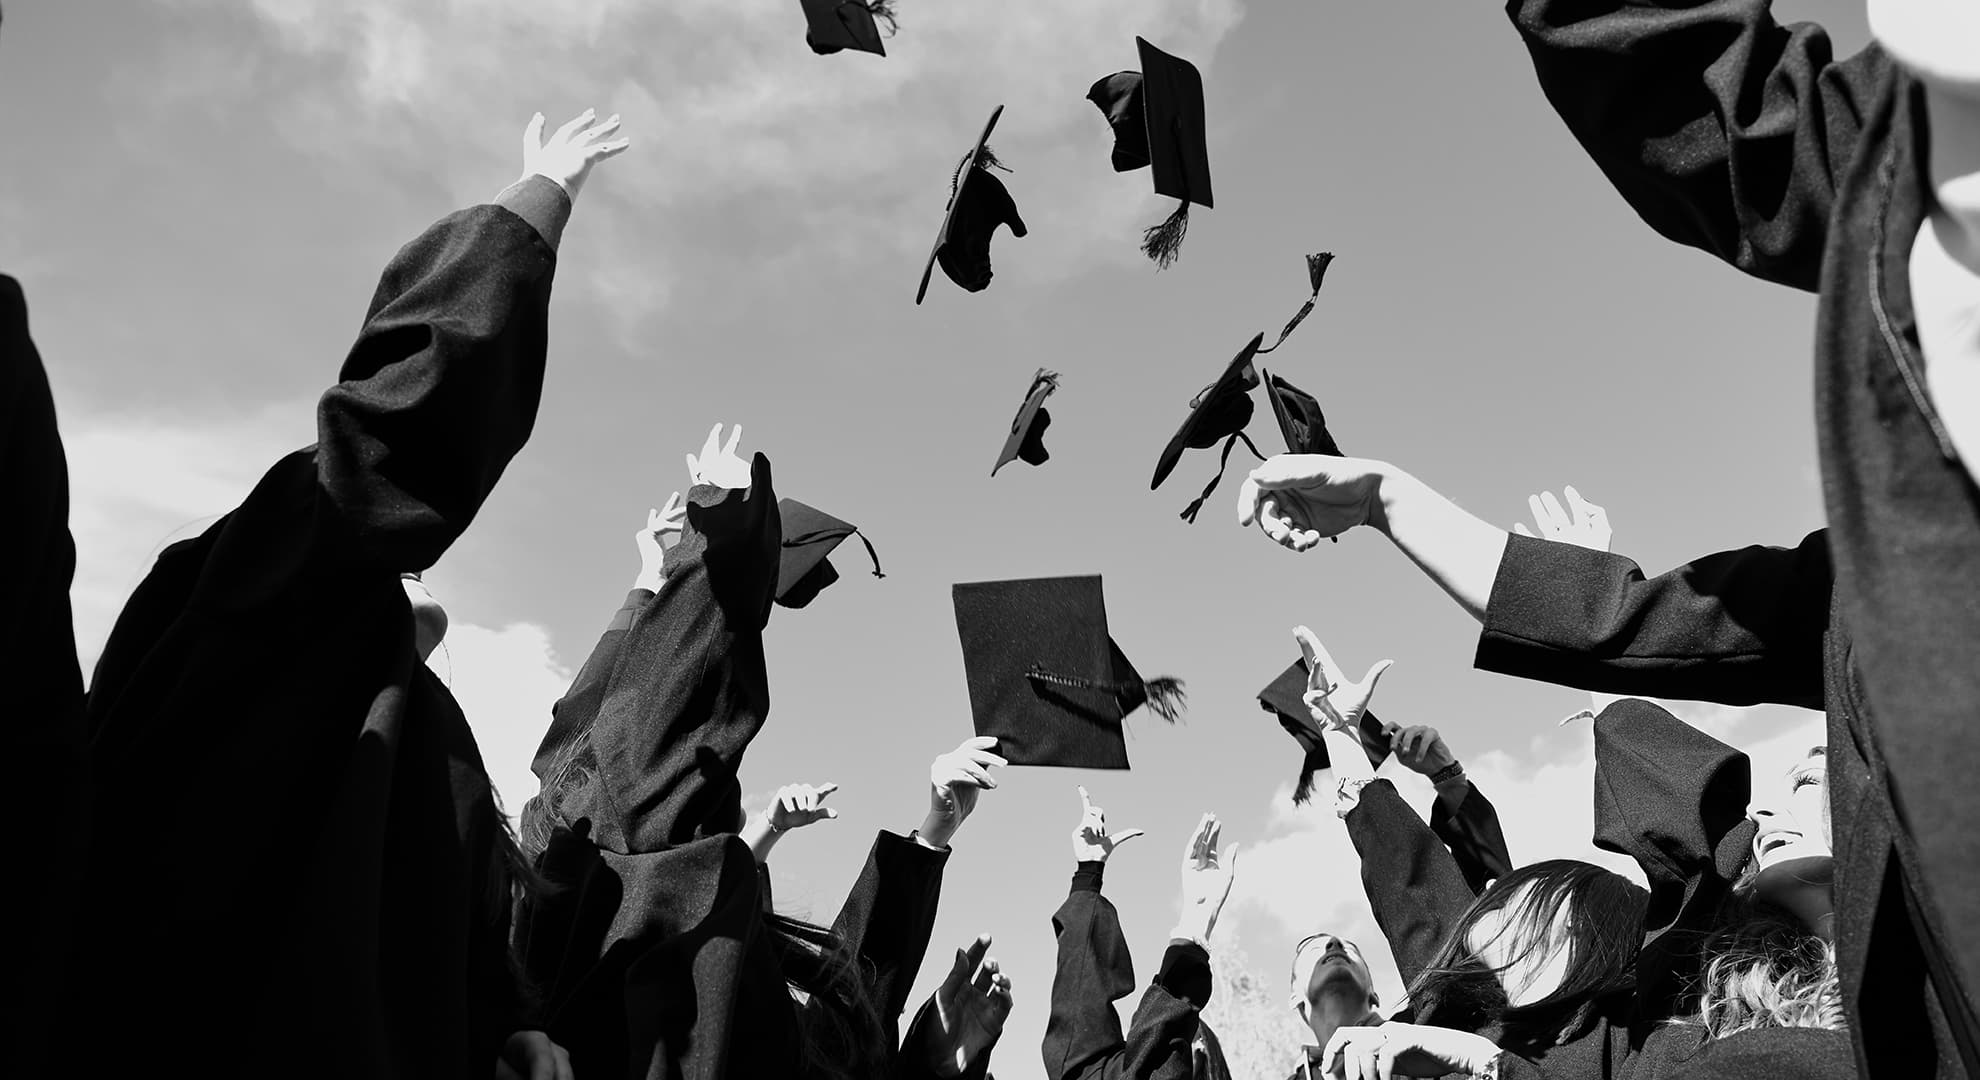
point(798, 805)
point(567, 158)
point(1582, 524)
point(718, 464)
point(530, 1055)
point(1207, 873)
point(662, 531)
point(954, 781)
point(1301, 499)
point(1394, 1049)
point(969, 1010)
point(1421, 749)
point(1091, 842)
point(1333, 701)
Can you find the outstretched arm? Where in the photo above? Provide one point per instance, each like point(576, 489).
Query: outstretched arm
point(1461, 817)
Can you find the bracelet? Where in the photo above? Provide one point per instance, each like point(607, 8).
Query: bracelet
point(1448, 773)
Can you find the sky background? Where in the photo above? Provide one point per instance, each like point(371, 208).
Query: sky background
point(198, 195)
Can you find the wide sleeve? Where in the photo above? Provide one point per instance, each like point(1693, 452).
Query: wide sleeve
point(1737, 627)
point(1413, 884)
point(691, 688)
point(887, 919)
point(1475, 840)
point(1083, 1036)
point(1722, 128)
point(563, 759)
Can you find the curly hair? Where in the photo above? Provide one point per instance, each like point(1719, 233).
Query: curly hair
point(1764, 969)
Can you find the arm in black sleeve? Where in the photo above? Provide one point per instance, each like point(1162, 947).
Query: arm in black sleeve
point(1473, 835)
point(1723, 129)
point(562, 759)
point(887, 919)
point(1413, 883)
point(1737, 628)
point(1083, 1037)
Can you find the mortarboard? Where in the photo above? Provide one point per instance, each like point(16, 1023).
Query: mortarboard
point(1045, 679)
point(1027, 439)
point(1286, 698)
point(833, 25)
point(1300, 419)
point(978, 203)
point(1157, 118)
point(1221, 411)
point(809, 536)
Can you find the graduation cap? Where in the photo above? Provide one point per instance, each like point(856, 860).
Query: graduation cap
point(1221, 411)
point(1285, 696)
point(978, 203)
point(1300, 419)
point(1157, 118)
point(834, 25)
point(1027, 439)
point(809, 536)
point(1045, 679)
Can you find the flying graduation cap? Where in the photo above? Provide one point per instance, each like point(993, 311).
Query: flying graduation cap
point(1285, 697)
point(978, 203)
point(1157, 117)
point(1045, 678)
point(835, 25)
point(809, 536)
point(1223, 409)
point(1027, 439)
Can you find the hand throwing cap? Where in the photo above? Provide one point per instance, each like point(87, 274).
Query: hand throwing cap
point(1045, 679)
point(1285, 697)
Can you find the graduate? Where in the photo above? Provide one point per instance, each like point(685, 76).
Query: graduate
point(657, 948)
point(1859, 179)
point(1167, 1037)
point(322, 882)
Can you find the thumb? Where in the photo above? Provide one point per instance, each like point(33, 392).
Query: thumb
point(1126, 836)
point(1520, 528)
point(1375, 675)
point(533, 134)
point(831, 813)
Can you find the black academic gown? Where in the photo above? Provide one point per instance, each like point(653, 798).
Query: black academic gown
point(652, 952)
point(1732, 133)
point(43, 681)
point(1083, 1037)
point(1741, 628)
point(296, 869)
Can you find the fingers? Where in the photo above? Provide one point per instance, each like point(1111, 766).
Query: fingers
point(1375, 675)
point(1539, 511)
point(1085, 802)
point(1126, 836)
point(1324, 661)
point(1310, 648)
point(564, 1070)
point(1522, 530)
point(570, 126)
point(610, 125)
point(694, 469)
point(735, 436)
point(826, 789)
point(1557, 518)
point(712, 446)
point(1247, 500)
point(604, 151)
point(533, 135)
point(1582, 508)
point(984, 976)
point(1197, 850)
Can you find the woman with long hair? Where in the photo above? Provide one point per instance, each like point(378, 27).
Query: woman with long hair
point(658, 951)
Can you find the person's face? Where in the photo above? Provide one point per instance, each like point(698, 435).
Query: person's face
point(1936, 40)
point(1528, 973)
point(1324, 963)
point(429, 618)
point(1792, 846)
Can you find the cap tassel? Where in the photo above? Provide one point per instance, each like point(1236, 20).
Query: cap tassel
point(1304, 790)
point(870, 553)
point(1189, 512)
point(1163, 242)
point(1163, 695)
point(1316, 271)
point(882, 11)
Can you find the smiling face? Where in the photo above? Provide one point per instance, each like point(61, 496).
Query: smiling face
point(1792, 848)
point(1325, 964)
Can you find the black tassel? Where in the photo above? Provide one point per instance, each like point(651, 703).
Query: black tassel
point(985, 160)
point(1305, 789)
point(1163, 242)
point(870, 553)
point(1165, 697)
point(1189, 512)
point(882, 11)
point(988, 160)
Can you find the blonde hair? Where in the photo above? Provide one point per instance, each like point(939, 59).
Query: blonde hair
point(1769, 972)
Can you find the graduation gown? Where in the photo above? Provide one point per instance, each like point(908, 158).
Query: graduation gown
point(1732, 133)
point(290, 805)
point(1740, 628)
point(1083, 1037)
point(652, 952)
point(42, 679)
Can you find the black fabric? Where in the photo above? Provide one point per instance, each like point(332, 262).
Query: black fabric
point(1083, 1036)
point(1119, 99)
point(565, 753)
point(1474, 837)
point(44, 691)
point(1681, 1052)
point(836, 25)
point(350, 895)
point(1301, 423)
point(978, 203)
point(1220, 411)
point(1729, 132)
point(809, 536)
point(1285, 698)
point(1045, 679)
point(1157, 116)
point(1413, 882)
point(1026, 441)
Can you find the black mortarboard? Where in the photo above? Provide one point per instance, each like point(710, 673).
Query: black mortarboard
point(1045, 679)
point(809, 536)
point(1300, 419)
point(1221, 411)
point(833, 25)
point(1285, 697)
point(1027, 439)
point(978, 203)
point(1157, 118)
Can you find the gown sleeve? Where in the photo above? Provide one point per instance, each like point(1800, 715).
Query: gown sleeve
point(1083, 1037)
point(1475, 840)
point(564, 751)
point(888, 917)
point(1738, 627)
point(1413, 883)
point(1723, 129)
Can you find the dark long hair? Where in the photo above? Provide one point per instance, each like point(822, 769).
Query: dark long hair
point(1605, 930)
point(839, 1031)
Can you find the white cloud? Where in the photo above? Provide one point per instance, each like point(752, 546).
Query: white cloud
point(505, 680)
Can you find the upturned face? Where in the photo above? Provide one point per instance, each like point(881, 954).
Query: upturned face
point(1792, 846)
point(1936, 40)
point(429, 618)
point(1324, 961)
point(1529, 970)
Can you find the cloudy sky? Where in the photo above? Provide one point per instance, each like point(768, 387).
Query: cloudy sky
point(197, 196)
